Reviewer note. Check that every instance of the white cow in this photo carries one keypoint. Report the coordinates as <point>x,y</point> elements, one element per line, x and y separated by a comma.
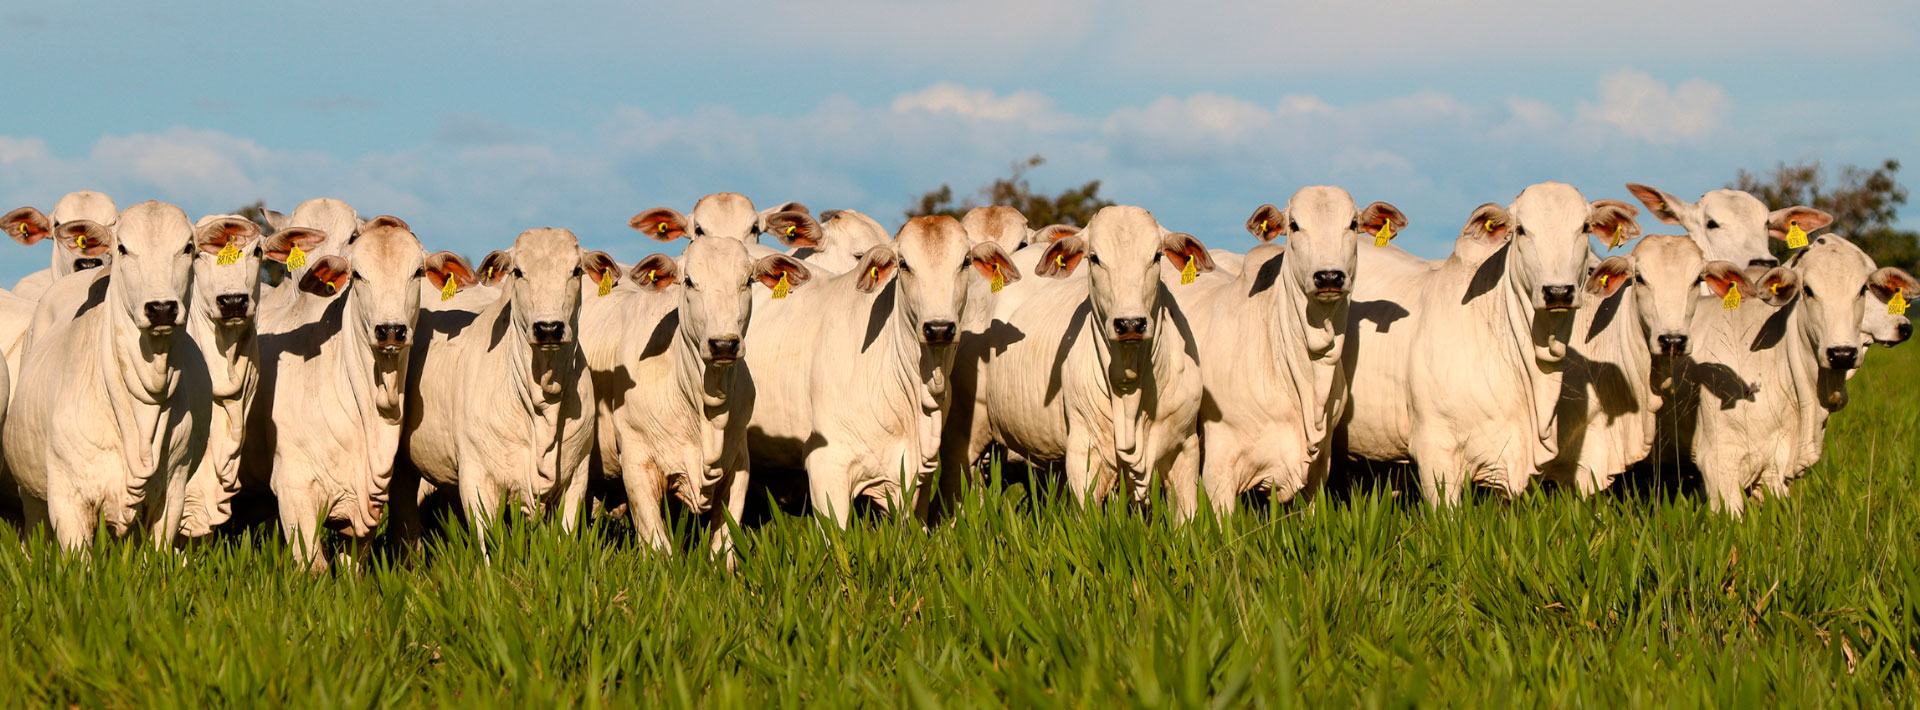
<point>1627,341</point>
<point>1456,366</point>
<point>1093,365</point>
<point>673,406</point>
<point>730,215</point>
<point>845,236</point>
<point>27,226</point>
<point>324,215</point>
<point>109,415</point>
<point>333,372</point>
<point>852,373</point>
<point>1729,225</point>
<point>499,401</point>
<point>1270,346</point>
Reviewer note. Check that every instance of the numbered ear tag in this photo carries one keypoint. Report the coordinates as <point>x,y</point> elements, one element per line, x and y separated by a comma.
<point>228,255</point>
<point>449,287</point>
<point>998,281</point>
<point>606,282</point>
<point>1604,278</point>
<point>1190,272</point>
<point>781,288</point>
<point>1617,237</point>
<point>1732,299</point>
<point>1897,306</point>
<point>295,257</point>
<point>1796,237</point>
<point>1386,233</point>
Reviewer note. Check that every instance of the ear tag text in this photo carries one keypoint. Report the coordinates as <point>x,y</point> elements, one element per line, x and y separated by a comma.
<point>1190,272</point>
<point>1897,306</point>
<point>295,257</point>
<point>1732,299</point>
<point>998,281</point>
<point>1381,237</point>
<point>1796,237</point>
<point>781,288</point>
<point>228,255</point>
<point>606,282</point>
<point>449,287</point>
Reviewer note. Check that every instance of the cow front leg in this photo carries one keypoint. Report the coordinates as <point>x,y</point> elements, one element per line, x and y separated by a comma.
<point>1183,480</point>
<point>725,517</point>
<point>300,523</point>
<point>646,492</point>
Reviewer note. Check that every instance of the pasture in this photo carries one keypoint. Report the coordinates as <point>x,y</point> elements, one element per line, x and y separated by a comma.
<point>1641,598</point>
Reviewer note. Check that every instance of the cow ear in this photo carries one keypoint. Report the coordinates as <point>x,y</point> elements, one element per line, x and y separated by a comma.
<point>662,223</point>
<point>385,221</point>
<point>599,265</point>
<point>1267,223</point>
<point>280,246</point>
<point>215,235</point>
<point>1185,250</point>
<point>1062,257</point>
<point>443,265</point>
<point>1380,214</point>
<point>1607,278</point>
<point>84,237</point>
<point>989,260</point>
<point>494,267</point>
<point>1777,286</point>
<point>1721,276</point>
<point>1490,223</point>
<point>876,268</point>
<point>275,221</point>
<point>655,273</point>
<point>26,225</point>
<point>325,276</point>
<point>770,269</point>
<point>1612,221</point>
<point>1890,280</point>
<point>1662,206</point>
<point>1052,232</point>
<point>793,228</point>
<point>1808,219</point>
<point>788,207</point>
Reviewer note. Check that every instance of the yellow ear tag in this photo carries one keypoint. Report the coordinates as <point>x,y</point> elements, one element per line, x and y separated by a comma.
<point>663,227</point>
<point>1263,227</point>
<point>873,272</point>
<point>606,282</point>
<point>1774,288</point>
<point>295,257</point>
<point>448,288</point>
<point>780,289</point>
<point>23,229</point>
<point>1732,299</point>
<point>1386,232</point>
<point>1060,260</point>
<point>1190,272</point>
<point>228,255</point>
<point>1604,278</point>
<point>998,282</point>
<point>80,241</point>
<point>1796,237</point>
<point>789,230</point>
<point>1489,226</point>
<point>1897,306</point>
<point>331,288</point>
<point>1617,236</point>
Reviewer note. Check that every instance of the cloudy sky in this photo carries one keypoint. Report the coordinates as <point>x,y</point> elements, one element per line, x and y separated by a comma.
<point>474,120</point>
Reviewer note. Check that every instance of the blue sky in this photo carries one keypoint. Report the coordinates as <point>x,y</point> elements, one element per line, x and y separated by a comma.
<point>476,120</point>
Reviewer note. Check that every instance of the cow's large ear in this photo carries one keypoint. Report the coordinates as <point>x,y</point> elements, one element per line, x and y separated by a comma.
<point>494,267</point>
<point>84,237</point>
<point>280,246</point>
<point>385,221</point>
<point>1662,206</point>
<point>793,228</point>
<point>989,260</point>
<point>662,223</point>
<point>787,207</point>
<point>26,225</point>
<point>1890,280</point>
<point>1381,214</point>
<point>1490,223</point>
<point>325,276</point>
<point>1607,278</point>
<point>771,268</point>
<point>1777,286</point>
<point>1052,232</point>
<point>214,236</point>
<point>1808,219</point>
<point>876,267</point>
<point>655,273</point>
<point>443,265</point>
<point>1062,256</point>
<point>599,265</point>
<point>1612,221</point>
<point>1719,276</point>
<point>1267,223</point>
<point>1186,251</point>
<point>276,221</point>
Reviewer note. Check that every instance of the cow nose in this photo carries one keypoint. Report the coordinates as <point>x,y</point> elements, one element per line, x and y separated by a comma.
<point>549,331</point>
<point>84,264</point>
<point>1329,279</point>
<point>727,348</point>
<point>1673,344</point>
<point>1902,332</point>
<point>1843,358</point>
<point>232,305</point>
<point>162,312</point>
<point>938,332</point>
<point>1557,296</point>
<point>390,334</point>
<point>1764,263</point>
<point>1130,328</point>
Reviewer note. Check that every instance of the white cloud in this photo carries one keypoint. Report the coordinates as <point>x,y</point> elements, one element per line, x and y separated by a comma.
<point>946,98</point>
<point>1643,107</point>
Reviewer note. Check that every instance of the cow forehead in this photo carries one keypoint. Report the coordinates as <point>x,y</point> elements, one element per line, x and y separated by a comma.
<point>1549,207</point>
<point>1668,257</point>
<point>85,204</point>
<point>995,222</point>
<point>725,213</point>
<point>326,214</point>
<point>1833,262</point>
<point>1123,229</point>
<point>387,250</point>
<point>925,238</point>
<point>150,225</point>
<point>1733,205</point>
<point>857,229</point>
<point>545,250</point>
<point>714,257</point>
<point>1321,203</point>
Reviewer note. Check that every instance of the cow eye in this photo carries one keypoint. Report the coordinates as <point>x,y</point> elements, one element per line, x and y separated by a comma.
<point>1711,224</point>
<point>517,274</point>
<point>1156,257</point>
<point>577,271</point>
<point>1293,226</point>
<point>122,248</point>
<point>1354,226</point>
<point>1093,259</point>
<point>1642,280</point>
<point>699,231</point>
<point>422,271</point>
<point>905,269</point>
<point>1520,231</point>
<point>1807,290</point>
<point>1863,289</point>
<point>256,251</point>
<point>1697,280</point>
<point>189,249</point>
<point>687,282</point>
<point>357,276</point>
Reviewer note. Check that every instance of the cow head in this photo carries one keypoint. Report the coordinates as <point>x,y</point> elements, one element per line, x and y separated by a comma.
<point>715,279</point>
<point>333,218</point>
<point>1879,321</point>
<point>82,248</point>
<point>1730,225</point>
<point>851,233</point>
<point>226,268</point>
<point>381,281</point>
<point>1122,247</point>
<point>928,263</point>
<point>1323,230</point>
<point>1665,273</point>
<point>153,265</point>
<point>1546,229</point>
<point>999,224</point>
<point>731,215</point>
<point>540,278</point>
<point>1835,283</point>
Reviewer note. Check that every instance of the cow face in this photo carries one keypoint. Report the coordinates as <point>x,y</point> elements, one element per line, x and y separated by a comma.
<point>715,279</point>
<point>153,265</point>
<point>1878,320</point>
<point>1665,273</point>
<point>381,280</point>
<point>84,248</point>
<point>731,215</point>
<point>333,218</point>
<point>999,224</point>
<point>1547,226</point>
<point>1122,247</point>
<point>1730,225</point>
<point>928,263</point>
<point>1834,287</point>
<point>541,276</point>
<point>1323,230</point>
<point>851,233</point>
<point>226,268</point>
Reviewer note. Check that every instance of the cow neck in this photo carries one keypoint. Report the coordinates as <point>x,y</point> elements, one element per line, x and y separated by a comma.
<point>1625,338</point>
<point>1536,345</point>
<point>539,381</point>
<point>712,386</point>
<point>229,350</point>
<point>141,365</point>
<point>1817,391</point>
<point>1295,325</point>
<point>377,385</point>
<point>921,371</point>
<point>1130,371</point>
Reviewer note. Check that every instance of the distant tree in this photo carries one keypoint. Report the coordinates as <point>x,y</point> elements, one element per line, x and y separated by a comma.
<point>1865,204</point>
<point>1073,206</point>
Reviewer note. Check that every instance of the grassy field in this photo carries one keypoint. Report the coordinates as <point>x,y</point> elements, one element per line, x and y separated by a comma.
<point>1627,600</point>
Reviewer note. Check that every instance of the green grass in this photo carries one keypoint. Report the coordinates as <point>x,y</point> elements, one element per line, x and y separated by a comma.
<point>1548,601</point>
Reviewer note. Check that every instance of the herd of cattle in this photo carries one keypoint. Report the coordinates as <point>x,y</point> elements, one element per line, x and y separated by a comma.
<point>163,366</point>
